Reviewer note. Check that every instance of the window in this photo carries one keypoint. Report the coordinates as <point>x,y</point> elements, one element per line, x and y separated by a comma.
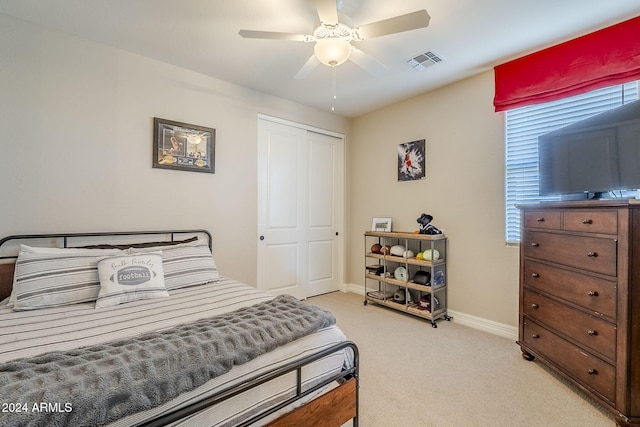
<point>523,126</point>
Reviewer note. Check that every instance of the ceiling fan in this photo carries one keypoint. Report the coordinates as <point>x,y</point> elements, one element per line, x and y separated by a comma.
<point>335,33</point>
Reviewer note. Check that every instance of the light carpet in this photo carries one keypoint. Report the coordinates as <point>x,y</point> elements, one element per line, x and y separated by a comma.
<point>414,375</point>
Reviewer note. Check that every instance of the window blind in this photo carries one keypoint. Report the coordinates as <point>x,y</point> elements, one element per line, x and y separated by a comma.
<point>523,126</point>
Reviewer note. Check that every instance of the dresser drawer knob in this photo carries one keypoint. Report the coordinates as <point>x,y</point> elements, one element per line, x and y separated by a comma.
<point>592,372</point>
<point>534,305</point>
<point>592,333</point>
<point>536,275</point>
<point>535,244</point>
<point>540,219</point>
<point>592,293</point>
<point>587,221</point>
<point>535,336</point>
<point>592,254</point>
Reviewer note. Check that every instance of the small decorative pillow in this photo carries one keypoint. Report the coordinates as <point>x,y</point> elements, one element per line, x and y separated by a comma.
<point>130,277</point>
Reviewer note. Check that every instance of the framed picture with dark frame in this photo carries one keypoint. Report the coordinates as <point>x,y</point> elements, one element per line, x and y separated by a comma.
<point>412,161</point>
<point>183,146</point>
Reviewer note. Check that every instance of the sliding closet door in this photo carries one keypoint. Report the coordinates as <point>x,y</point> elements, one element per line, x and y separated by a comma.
<point>300,210</point>
<point>324,225</point>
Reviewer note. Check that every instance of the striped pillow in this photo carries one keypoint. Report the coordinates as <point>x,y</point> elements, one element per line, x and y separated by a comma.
<point>186,264</point>
<point>55,278</point>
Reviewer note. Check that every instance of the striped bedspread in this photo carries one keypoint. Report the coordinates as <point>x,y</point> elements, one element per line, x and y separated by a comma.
<point>25,334</point>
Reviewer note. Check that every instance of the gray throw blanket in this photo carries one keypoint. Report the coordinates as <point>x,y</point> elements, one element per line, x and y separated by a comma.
<point>99,384</point>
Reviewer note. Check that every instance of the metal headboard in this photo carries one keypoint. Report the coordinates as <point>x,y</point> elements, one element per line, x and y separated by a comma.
<point>67,236</point>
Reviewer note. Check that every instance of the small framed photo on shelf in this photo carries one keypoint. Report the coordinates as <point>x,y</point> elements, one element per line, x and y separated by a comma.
<point>381,224</point>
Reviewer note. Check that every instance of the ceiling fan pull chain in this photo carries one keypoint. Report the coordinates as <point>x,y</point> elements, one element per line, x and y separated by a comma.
<point>333,88</point>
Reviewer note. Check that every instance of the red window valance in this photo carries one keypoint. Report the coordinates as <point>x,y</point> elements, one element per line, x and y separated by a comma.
<point>603,58</point>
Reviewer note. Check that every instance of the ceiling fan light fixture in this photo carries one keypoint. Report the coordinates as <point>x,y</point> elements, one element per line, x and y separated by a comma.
<point>332,51</point>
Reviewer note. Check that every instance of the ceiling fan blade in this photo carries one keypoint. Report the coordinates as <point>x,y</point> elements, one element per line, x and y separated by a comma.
<point>249,34</point>
<point>327,11</point>
<point>398,24</point>
<point>368,63</point>
<point>307,68</point>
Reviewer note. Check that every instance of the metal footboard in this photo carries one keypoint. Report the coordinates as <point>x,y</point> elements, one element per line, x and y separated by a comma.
<point>258,380</point>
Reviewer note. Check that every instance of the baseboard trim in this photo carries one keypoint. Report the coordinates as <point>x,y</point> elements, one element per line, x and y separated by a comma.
<point>350,287</point>
<point>485,325</point>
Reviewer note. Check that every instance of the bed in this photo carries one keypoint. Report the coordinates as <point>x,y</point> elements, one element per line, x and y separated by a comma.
<point>140,329</point>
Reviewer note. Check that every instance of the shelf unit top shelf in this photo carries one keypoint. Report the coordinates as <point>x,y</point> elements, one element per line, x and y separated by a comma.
<point>405,235</point>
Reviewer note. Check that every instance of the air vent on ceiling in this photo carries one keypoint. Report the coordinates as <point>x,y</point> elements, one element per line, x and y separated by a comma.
<point>424,60</point>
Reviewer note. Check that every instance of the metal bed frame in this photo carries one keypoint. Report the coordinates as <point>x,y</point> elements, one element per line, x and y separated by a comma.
<point>348,375</point>
<point>66,236</point>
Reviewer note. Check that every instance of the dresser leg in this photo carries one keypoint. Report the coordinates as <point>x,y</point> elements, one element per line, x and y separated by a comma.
<point>527,356</point>
<point>625,421</point>
<point>622,421</point>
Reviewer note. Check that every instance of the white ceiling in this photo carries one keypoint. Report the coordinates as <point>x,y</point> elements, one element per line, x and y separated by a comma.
<point>202,35</point>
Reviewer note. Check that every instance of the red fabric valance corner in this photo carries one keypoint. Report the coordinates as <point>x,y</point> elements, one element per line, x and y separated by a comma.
<point>603,58</point>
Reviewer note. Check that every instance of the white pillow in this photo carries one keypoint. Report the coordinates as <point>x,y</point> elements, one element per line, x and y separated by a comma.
<point>130,277</point>
<point>51,277</point>
<point>186,264</point>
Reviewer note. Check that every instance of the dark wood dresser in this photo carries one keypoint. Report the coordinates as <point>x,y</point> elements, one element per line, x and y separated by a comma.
<point>580,297</point>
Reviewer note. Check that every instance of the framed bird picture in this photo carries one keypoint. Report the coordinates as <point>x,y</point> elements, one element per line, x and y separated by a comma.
<point>412,161</point>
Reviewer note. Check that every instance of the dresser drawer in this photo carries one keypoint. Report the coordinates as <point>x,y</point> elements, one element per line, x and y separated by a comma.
<point>550,220</point>
<point>582,366</point>
<point>591,221</point>
<point>592,332</point>
<point>592,293</point>
<point>587,253</point>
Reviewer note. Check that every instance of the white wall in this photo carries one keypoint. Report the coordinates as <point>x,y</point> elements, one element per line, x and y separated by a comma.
<point>463,190</point>
<point>76,136</point>
<point>76,125</point>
